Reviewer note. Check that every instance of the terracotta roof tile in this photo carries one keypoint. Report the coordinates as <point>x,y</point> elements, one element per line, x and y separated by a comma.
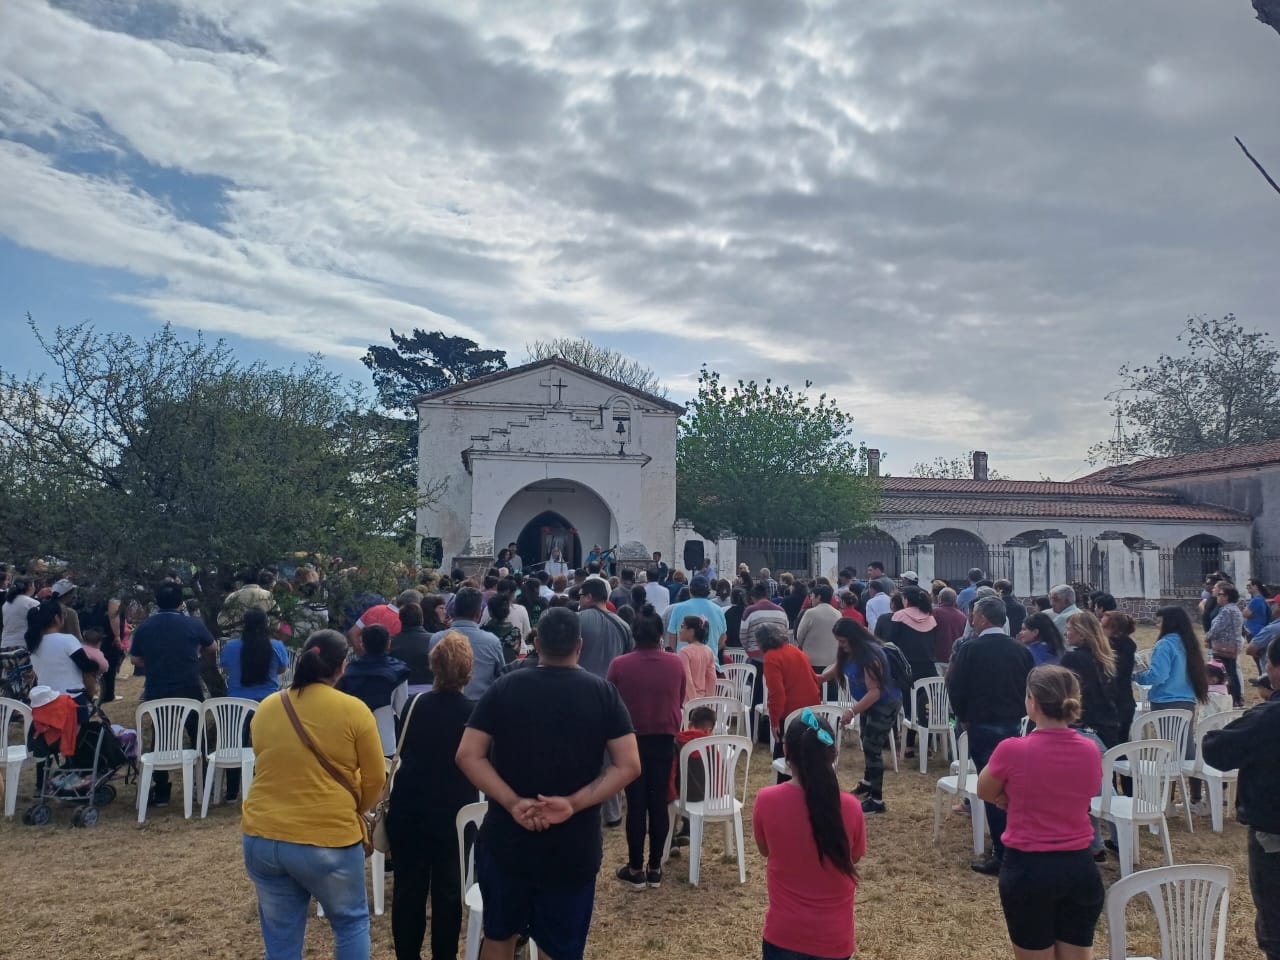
<point>1015,487</point>
<point>1206,461</point>
<point>1099,508</point>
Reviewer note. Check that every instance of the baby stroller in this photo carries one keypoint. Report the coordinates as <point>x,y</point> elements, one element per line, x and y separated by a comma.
<point>84,778</point>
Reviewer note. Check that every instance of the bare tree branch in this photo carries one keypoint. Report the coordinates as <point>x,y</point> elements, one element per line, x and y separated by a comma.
<point>1261,169</point>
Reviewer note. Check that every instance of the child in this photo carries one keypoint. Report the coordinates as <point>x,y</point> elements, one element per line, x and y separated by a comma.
<point>702,723</point>
<point>1217,677</point>
<point>699,661</point>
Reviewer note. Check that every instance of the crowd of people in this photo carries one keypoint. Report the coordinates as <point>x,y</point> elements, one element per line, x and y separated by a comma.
<point>559,695</point>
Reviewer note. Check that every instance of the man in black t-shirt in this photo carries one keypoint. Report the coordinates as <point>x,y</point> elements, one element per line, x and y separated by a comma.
<point>533,745</point>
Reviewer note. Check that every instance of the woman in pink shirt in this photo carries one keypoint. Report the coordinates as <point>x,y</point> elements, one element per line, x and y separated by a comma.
<point>699,661</point>
<point>1050,887</point>
<point>813,836</point>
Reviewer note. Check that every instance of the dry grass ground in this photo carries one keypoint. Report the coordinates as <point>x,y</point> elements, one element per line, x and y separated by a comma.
<point>174,888</point>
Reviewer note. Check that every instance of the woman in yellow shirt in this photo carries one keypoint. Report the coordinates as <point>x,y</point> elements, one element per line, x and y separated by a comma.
<point>303,836</point>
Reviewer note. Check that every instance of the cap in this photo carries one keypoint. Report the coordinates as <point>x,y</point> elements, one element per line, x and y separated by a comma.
<point>63,587</point>
<point>909,575</point>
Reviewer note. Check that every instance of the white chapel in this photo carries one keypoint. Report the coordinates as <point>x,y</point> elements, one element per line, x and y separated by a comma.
<point>545,455</point>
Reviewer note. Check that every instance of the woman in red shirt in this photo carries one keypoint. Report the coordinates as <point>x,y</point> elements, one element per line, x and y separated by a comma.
<point>812,836</point>
<point>1050,887</point>
<point>789,678</point>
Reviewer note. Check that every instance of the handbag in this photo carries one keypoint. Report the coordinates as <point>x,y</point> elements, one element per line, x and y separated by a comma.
<point>378,817</point>
<point>365,825</point>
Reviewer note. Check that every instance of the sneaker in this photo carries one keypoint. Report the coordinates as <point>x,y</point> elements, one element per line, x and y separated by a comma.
<point>1200,808</point>
<point>654,878</point>
<point>681,840</point>
<point>863,789</point>
<point>613,824</point>
<point>635,879</point>
<point>872,805</point>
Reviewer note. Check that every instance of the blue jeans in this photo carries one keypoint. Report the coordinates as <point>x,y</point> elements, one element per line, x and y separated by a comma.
<point>288,875</point>
<point>983,738</point>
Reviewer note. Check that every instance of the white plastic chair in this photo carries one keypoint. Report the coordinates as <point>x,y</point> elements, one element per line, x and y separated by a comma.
<point>729,711</point>
<point>286,677</point>
<point>743,676</point>
<point>1218,703</point>
<point>1023,726</point>
<point>937,724</point>
<point>726,688</point>
<point>1187,899</point>
<point>963,787</point>
<point>1141,696</point>
<point>472,815</point>
<point>14,755</point>
<point>1172,725</point>
<point>721,801</point>
<point>168,720</point>
<point>831,713</point>
<point>736,655</point>
<point>1213,778</point>
<point>1151,765</point>
<point>229,717</point>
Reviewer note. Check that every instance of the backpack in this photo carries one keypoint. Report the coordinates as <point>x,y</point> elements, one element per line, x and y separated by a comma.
<point>899,668</point>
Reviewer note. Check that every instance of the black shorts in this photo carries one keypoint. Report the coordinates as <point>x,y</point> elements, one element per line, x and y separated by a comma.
<point>1049,897</point>
<point>557,920</point>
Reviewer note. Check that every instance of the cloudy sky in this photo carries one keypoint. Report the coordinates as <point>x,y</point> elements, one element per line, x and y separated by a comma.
<point>957,218</point>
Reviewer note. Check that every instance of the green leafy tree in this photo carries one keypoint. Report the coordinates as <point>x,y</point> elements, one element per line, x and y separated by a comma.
<point>764,460</point>
<point>1221,388</point>
<point>137,456</point>
<point>426,361</point>
<point>598,359</point>
<point>957,468</point>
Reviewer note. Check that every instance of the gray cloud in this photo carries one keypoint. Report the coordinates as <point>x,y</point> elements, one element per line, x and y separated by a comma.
<point>958,219</point>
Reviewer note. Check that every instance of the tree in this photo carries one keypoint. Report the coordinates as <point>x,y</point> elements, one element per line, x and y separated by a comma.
<point>426,361</point>
<point>140,455</point>
<point>1223,388</point>
<point>957,468</point>
<point>763,460</point>
<point>598,359</point>
<point>1268,12</point>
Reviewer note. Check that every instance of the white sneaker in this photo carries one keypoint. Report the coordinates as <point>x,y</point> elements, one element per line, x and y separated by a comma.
<point>1200,808</point>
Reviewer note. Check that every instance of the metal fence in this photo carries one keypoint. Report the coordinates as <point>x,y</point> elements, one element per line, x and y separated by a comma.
<point>1266,567</point>
<point>1182,570</point>
<point>1084,564</point>
<point>860,551</point>
<point>779,554</point>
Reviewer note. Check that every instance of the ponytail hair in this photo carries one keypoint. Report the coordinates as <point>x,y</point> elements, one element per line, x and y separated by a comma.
<point>322,658</point>
<point>811,760</point>
<point>39,620</point>
<point>16,589</point>
<point>697,625</point>
<point>647,629</point>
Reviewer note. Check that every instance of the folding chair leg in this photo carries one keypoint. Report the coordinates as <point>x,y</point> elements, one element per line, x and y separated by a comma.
<point>12,772</point>
<point>208,790</point>
<point>978,816</point>
<point>475,928</point>
<point>695,850</point>
<point>742,855</point>
<point>1186,807</point>
<point>379,867</point>
<point>246,779</point>
<point>144,788</point>
<point>1126,841</point>
<point>1168,848</point>
<point>672,819</point>
<point>188,788</point>
<point>893,749</point>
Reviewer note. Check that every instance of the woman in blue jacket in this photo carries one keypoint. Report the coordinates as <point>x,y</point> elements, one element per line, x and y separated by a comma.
<point>1177,675</point>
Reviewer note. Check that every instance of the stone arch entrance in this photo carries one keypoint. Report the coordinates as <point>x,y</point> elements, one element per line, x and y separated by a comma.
<point>555,512</point>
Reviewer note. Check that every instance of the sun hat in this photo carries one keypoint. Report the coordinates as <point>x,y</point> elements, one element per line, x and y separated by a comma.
<point>42,696</point>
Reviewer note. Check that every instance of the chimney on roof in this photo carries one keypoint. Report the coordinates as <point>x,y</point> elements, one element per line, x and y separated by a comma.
<point>979,465</point>
<point>873,462</point>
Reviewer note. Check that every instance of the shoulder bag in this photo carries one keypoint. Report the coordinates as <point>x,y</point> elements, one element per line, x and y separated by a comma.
<point>366,825</point>
<point>378,818</point>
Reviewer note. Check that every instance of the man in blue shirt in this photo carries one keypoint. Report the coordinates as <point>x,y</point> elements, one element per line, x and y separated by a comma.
<point>169,645</point>
<point>965,597</point>
<point>699,605</point>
